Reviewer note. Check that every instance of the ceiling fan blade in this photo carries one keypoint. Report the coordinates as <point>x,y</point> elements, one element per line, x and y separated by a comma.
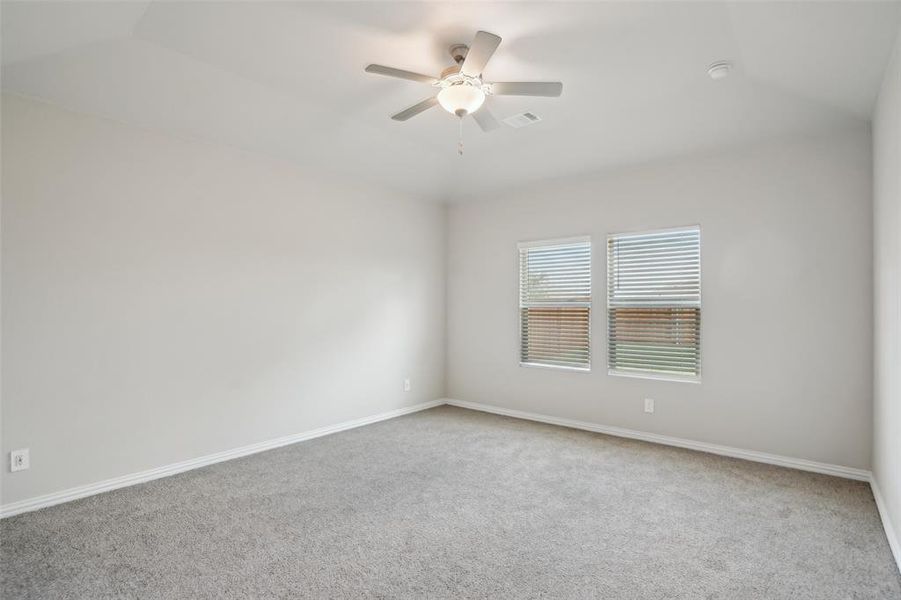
<point>400,73</point>
<point>485,119</point>
<point>416,109</point>
<point>483,46</point>
<point>530,88</point>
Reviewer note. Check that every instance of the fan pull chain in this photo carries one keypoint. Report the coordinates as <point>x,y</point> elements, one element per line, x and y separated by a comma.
<point>460,145</point>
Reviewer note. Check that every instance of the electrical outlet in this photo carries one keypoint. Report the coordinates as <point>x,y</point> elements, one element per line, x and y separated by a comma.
<point>648,405</point>
<point>18,460</point>
<point>406,385</point>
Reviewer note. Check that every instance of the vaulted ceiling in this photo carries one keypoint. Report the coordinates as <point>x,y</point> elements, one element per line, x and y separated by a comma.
<point>286,78</point>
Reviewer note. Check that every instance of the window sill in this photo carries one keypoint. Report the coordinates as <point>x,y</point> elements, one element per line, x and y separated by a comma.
<point>655,376</point>
<point>556,367</point>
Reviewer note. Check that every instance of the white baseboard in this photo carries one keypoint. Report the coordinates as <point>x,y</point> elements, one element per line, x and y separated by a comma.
<point>27,505</point>
<point>893,541</point>
<point>752,455</point>
<point>30,504</point>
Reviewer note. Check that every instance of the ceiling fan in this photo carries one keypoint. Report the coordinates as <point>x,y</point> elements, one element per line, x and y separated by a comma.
<point>461,90</point>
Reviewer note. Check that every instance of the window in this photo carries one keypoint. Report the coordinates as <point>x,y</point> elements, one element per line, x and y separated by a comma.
<point>654,303</point>
<point>555,303</point>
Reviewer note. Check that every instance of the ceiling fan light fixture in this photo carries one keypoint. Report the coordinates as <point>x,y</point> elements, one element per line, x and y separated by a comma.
<point>461,100</point>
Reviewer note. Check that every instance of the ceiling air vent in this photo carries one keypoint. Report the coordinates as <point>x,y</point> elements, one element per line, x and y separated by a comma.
<point>522,120</point>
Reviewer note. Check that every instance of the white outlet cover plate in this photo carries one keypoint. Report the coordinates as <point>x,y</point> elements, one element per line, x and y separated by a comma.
<point>648,405</point>
<point>19,460</point>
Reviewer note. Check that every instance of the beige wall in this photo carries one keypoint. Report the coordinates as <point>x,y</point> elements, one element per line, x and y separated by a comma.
<point>887,268</point>
<point>787,289</point>
<point>166,299</point>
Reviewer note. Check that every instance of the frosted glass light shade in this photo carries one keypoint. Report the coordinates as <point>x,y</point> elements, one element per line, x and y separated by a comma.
<point>461,99</point>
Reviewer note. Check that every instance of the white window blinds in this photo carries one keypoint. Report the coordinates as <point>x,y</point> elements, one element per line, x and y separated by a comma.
<point>654,302</point>
<point>555,303</point>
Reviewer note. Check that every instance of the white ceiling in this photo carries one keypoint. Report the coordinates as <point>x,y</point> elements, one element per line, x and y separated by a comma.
<point>286,78</point>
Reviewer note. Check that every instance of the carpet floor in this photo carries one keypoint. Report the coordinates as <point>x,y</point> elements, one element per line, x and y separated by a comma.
<point>451,503</point>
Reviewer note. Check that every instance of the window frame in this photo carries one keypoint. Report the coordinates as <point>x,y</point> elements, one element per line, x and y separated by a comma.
<point>539,243</point>
<point>637,374</point>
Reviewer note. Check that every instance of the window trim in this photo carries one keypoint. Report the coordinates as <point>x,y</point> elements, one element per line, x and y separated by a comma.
<point>670,377</point>
<point>545,243</point>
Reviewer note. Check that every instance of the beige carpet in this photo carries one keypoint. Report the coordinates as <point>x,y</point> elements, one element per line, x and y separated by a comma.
<point>450,503</point>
